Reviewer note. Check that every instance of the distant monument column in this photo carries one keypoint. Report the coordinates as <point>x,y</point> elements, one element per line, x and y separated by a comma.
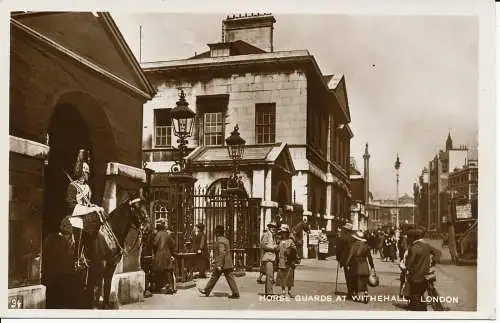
<point>366,173</point>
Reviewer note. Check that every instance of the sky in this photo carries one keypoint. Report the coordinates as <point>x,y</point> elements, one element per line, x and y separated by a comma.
<point>410,79</point>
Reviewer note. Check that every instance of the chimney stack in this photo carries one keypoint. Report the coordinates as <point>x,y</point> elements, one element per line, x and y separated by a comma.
<point>255,29</point>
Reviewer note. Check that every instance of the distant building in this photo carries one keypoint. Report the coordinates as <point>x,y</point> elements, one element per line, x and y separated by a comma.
<point>360,192</point>
<point>434,184</point>
<point>463,182</point>
<point>358,215</point>
<point>385,212</point>
<point>421,196</point>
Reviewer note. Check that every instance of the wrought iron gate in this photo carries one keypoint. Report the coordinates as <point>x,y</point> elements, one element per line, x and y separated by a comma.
<point>240,216</point>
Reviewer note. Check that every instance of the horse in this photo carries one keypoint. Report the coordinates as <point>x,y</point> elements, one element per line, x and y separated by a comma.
<point>107,249</point>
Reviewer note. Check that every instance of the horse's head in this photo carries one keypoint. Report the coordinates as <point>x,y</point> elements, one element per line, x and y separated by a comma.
<point>138,211</point>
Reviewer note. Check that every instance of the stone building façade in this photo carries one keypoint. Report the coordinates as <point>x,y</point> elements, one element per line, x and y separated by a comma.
<point>295,121</point>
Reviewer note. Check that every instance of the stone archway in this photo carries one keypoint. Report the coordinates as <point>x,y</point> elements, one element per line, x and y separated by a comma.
<point>77,122</point>
<point>282,194</point>
<point>220,185</point>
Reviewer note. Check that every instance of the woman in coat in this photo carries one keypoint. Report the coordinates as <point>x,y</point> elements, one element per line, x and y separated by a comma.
<point>357,261</point>
<point>286,261</point>
<point>163,259</point>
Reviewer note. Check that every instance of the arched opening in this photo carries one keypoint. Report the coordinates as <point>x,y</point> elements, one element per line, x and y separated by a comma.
<point>77,122</point>
<point>68,132</point>
<point>219,186</point>
<point>282,194</point>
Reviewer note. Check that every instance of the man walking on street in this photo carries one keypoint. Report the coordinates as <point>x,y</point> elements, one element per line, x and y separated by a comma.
<point>269,248</point>
<point>343,247</point>
<point>223,264</point>
<point>418,265</point>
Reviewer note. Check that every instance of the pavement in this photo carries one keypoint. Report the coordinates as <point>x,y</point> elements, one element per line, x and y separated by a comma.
<point>315,290</point>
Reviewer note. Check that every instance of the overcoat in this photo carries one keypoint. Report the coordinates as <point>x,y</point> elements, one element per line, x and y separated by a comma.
<point>268,246</point>
<point>418,261</point>
<point>222,254</point>
<point>358,259</point>
<point>200,243</point>
<point>163,248</point>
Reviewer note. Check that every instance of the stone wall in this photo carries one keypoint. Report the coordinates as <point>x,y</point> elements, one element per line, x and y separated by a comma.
<point>287,90</point>
<point>39,77</point>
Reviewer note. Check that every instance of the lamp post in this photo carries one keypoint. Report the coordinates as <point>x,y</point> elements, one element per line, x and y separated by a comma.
<point>181,184</point>
<point>397,165</point>
<point>236,148</point>
<point>183,119</point>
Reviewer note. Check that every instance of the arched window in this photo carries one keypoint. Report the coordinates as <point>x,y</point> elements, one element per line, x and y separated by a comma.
<point>160,210</point>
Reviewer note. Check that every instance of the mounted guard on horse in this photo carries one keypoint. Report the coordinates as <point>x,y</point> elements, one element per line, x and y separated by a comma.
<point>90,256</point>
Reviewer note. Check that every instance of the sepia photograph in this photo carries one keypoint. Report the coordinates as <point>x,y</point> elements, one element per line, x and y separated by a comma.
<point>257,159</point>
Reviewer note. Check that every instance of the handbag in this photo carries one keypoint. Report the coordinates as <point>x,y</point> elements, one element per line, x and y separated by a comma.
<point>373,279</point>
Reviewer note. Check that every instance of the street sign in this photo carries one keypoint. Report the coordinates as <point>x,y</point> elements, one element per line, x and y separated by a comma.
<point>323,247</point>
<point>314,237</point>
<point>463,212</point>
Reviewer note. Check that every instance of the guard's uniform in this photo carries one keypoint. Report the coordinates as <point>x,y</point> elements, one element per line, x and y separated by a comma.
<point>86,223</point>
<point>78,203</point>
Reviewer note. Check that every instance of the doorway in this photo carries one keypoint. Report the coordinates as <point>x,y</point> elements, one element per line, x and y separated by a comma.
<point>68,133</point>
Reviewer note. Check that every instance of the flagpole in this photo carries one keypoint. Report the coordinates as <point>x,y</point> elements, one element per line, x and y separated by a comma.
<point>140,43</point>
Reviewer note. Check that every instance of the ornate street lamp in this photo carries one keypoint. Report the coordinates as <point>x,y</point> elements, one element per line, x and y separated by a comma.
<point>182,183</point>
<point>235,189</point>
<point>397,165</point>
<point>183,119</point>
<point>235,148</point>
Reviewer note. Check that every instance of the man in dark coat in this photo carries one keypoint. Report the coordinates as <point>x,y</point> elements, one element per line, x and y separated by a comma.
<point>147,260</point>
<point>223,264</point>
<point>201,248</point>
<point>418,263</point>
<point>163,262</point>
<point>342,249</point>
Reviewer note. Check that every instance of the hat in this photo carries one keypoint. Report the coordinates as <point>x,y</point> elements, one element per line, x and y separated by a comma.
<point>415,233</point>
<point>347,226</point>
<point>284,228</point>
<point>271,224</point>
<point>359,235</point>
<point>219,229</point>
<point>200,226</point>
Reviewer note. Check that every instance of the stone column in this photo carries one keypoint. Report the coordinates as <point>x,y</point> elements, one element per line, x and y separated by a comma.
<point>26,190</point>
<point>299,186</point>
<point>329,211</point>
<point>258,183</point>
<point>305,251</point>
<point>268,204</point>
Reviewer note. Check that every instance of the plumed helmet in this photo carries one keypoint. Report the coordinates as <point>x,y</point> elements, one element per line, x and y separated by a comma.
<point>81,159</point>
<point>373,280</point>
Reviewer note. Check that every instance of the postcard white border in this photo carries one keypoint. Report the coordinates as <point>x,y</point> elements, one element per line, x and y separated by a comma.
<point>484,9</point>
